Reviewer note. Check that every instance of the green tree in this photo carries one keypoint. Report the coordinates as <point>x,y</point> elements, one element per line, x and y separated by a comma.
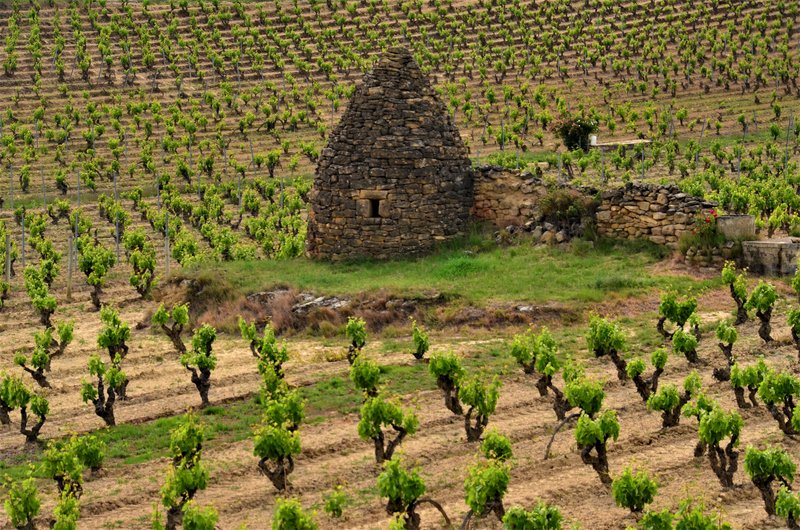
<point>377,413</point>
<point>787,505</point>
<point>201,361</point>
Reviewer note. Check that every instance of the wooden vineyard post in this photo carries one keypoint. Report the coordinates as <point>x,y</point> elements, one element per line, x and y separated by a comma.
<point>166,240</point>
<point>70,243</point>
<point>8,259</point>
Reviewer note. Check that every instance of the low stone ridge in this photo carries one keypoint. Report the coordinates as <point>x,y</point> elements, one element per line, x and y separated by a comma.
<point>395,178</point>
<point>660,214</point>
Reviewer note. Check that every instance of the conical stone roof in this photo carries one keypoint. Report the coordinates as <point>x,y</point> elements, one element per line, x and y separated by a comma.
<point>395,177</point>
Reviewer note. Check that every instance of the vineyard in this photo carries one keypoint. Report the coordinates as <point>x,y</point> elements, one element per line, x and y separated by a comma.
<point>148,149</point>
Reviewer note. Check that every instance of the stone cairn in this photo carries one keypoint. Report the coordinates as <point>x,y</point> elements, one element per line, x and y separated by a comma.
<point>395,178</point>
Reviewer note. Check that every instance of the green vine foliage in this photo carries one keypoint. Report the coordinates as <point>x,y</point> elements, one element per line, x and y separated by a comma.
<point>377,414</point>
<point>485,487</point>
<point>633,491</point>
<point>289,515</point>
<point>141,256</point>
<point>542,517</point>
<point>366,376</point>
<point>22,503</point>
<point>400,485</point>
<point>265,348</point>
<point>495,446</point>
<point>420,339</point>
<point>95,261</point>
<point>188,474</point>
<point>674,311</point>
<point>589,432</point>
<point>604,337</point>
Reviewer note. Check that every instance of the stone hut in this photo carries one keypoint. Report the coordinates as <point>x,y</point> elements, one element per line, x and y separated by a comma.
<point>395,178</point>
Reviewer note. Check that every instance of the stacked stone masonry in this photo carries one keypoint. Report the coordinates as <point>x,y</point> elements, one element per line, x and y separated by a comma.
<point>660,214</point>
<point>395,178</point>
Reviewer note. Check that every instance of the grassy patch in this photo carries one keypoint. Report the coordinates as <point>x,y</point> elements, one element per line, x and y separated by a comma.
<point>472,271</point>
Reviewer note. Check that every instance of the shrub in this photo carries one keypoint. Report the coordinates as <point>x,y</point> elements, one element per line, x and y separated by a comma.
<point>670,403</point>
<point>633,491</point>
<point>41,299</point>
<point>172,324</point>
<point>537,353</point>
<point>94,261</point>
<point>67,512</point>
<point>142,258</point>
<point>114,334</point>
<point>481,398</point>
<point>109,382</point>
<point>196,518</point>
<point>593,435</point>
<point>787,505</point>
<point>778,391</point>
<point>335,502</point>
<point>377,413</point>
<point>356,332</point>
<point>762,300</point>
<point>749,377</point>
<point>495,446</point>
<point>420,338</point>
<point>201,361</point>
<point>90,450</point>
<point>265,348</point>
<point>793,319</point>
<point>447,369</point>
<point>22,504</point>
<point>485,486</point>
<point>574,131</point>
<point>716,426</point>
<point>39,407</point>
<point>727,336</point>
<point>61,463</point>
<point>647,386</point>
<point>685,344</point>
<point>276,446</point>
<point>366,375</point>
<point>402,487</point>
<point>764,468</point>
<point>188,474</point>
<point>606,338</point>
<point>669,309</point>
<point>289,515</point>
<point>542,517</point>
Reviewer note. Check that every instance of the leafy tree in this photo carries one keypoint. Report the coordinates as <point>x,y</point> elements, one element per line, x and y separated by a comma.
<point>749,377</point>
<point>762,299</point>
<point>715,427</point>
<point>647,386</point>
<point>366,375</point>
<point>537,353</point>
<point>404,489</point>
<point>172,324</point>
<point>633,490</point>
<point>289,515</point>
<point>485,486</point>
<point>447,369</point>
<point>778,391</point>
<point>377,413</point>
<point>94,261</point>
<point>265,348</point>
<point>593,435</point>
<point>738,287</point>
<point>670,309</point>
<point>201,361</point>
<point>727,335</point>
<point>420,338</point>
<point>670,403</point>
<point>542,517</point>
<point>686,344</point>
<point>188,474</point>
<point>141,256</point>
<point>606,338</point>
<point>41,299</point>
<point>767,466</point>
<point>109,382</point>
<point>356,332</point>
<point>495,446</point>
<point>481,398</point>
<point>22,504</point>
<point>275,446</point>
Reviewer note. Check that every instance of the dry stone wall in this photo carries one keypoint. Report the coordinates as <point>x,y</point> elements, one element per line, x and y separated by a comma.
<point>660,214</point>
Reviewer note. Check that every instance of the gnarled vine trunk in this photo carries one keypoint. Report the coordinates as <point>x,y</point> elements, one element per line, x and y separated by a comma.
<point>599,462</point>
<point>450,390</point>
<point>277,473</point>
